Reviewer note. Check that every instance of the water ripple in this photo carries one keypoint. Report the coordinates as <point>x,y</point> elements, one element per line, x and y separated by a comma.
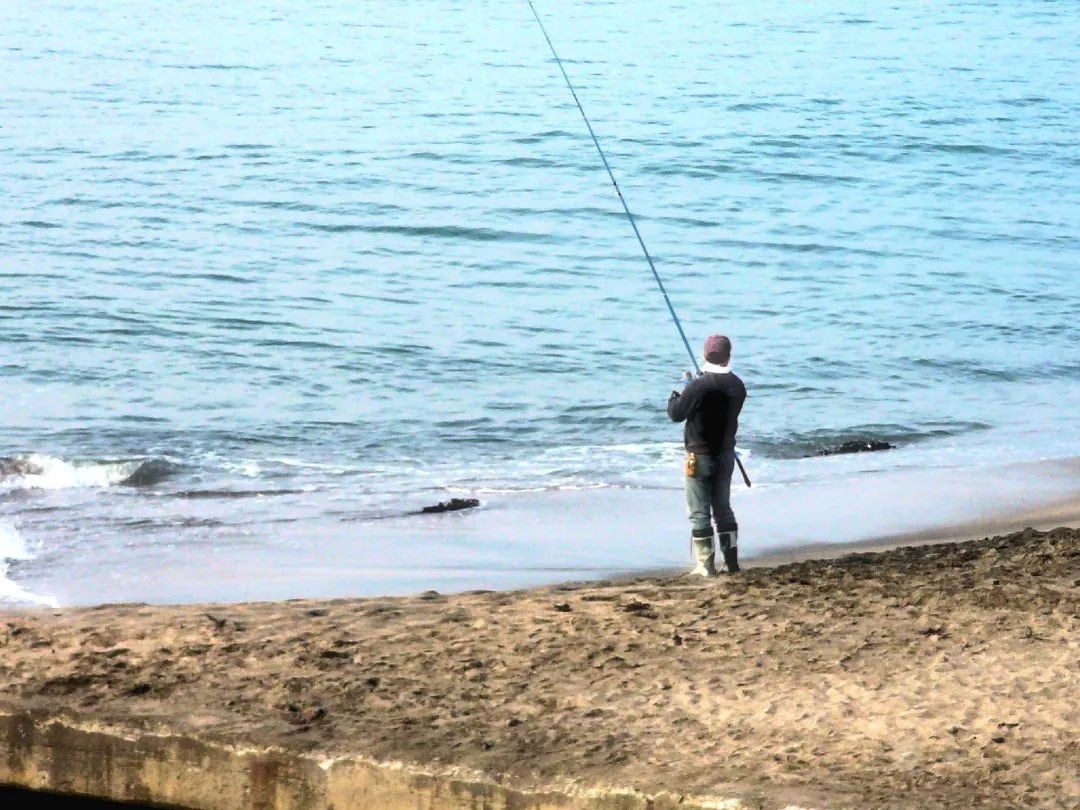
<point>384,233</point>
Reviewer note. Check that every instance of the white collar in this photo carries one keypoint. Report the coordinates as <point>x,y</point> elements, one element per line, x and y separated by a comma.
<point>713,368</point>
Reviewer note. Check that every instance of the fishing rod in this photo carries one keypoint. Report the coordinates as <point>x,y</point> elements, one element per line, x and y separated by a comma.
<point>614,182</point>
<point>626,208</point>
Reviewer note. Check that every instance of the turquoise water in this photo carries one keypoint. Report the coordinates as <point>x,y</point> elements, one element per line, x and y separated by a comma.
<point>361,257</point>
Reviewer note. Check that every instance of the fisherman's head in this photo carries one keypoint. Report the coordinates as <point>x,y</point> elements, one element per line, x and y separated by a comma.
<point>717,350</point>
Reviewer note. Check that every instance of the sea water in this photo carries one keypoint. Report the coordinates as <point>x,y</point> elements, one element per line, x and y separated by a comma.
<point>324,264</point>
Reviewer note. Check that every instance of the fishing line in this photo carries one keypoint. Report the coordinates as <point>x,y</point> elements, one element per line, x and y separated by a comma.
<point>614,182</point>
<point>626,208</point>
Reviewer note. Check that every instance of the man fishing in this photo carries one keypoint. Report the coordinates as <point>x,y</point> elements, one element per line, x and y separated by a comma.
<point>710,405</point>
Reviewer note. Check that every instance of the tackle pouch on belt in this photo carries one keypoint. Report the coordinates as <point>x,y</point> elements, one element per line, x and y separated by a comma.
<point>691,465</point>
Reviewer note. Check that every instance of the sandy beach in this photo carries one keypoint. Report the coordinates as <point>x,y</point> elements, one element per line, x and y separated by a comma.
<point>941,675</point>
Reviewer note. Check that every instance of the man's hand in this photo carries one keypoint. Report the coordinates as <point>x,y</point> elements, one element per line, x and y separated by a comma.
<point>673,406</point>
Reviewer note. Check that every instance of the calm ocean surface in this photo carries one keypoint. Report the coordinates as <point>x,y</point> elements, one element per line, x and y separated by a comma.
<point>330,262</point>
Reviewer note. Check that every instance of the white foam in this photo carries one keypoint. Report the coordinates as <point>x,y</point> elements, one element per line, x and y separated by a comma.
<point>337,469</point>
<point>244,467</point>
<point>55,473</point>
<point>527,489</point>
<point>12,547</point>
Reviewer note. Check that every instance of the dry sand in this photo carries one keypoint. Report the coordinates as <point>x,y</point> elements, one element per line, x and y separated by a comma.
<point>922,677</point>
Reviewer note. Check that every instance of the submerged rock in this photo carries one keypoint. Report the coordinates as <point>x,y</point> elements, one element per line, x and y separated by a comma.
<point>859,446</point>
<point>149,473</point>
<point>19,466</point>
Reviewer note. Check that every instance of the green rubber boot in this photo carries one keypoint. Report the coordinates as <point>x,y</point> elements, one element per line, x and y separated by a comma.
<point>704,553</point>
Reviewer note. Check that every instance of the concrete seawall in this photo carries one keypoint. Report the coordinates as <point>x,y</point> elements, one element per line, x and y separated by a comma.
<point>46,753</point>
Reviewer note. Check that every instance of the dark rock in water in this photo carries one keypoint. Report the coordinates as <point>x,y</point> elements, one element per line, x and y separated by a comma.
<point>452,505</point>
<point>871,446</point>
<point>18,466</point>
<point>149,473</point>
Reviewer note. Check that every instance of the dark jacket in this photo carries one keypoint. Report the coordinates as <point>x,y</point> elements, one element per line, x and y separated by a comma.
<point>710,405</point>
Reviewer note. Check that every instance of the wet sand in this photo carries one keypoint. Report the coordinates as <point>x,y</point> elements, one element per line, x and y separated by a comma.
<point>553,536</point>
<point>933,676</point>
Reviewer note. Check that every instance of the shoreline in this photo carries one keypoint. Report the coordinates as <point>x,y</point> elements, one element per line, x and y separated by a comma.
<point>1062,512</point>
<point>543,538</point>
<point>926,676</point>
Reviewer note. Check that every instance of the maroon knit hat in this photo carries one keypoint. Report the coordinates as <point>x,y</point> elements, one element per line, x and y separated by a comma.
<point>718,349</point>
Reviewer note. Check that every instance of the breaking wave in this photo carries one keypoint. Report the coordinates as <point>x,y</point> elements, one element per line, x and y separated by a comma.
<point>37,471</point>
<point>13,548</point>
<point>828,442</point>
